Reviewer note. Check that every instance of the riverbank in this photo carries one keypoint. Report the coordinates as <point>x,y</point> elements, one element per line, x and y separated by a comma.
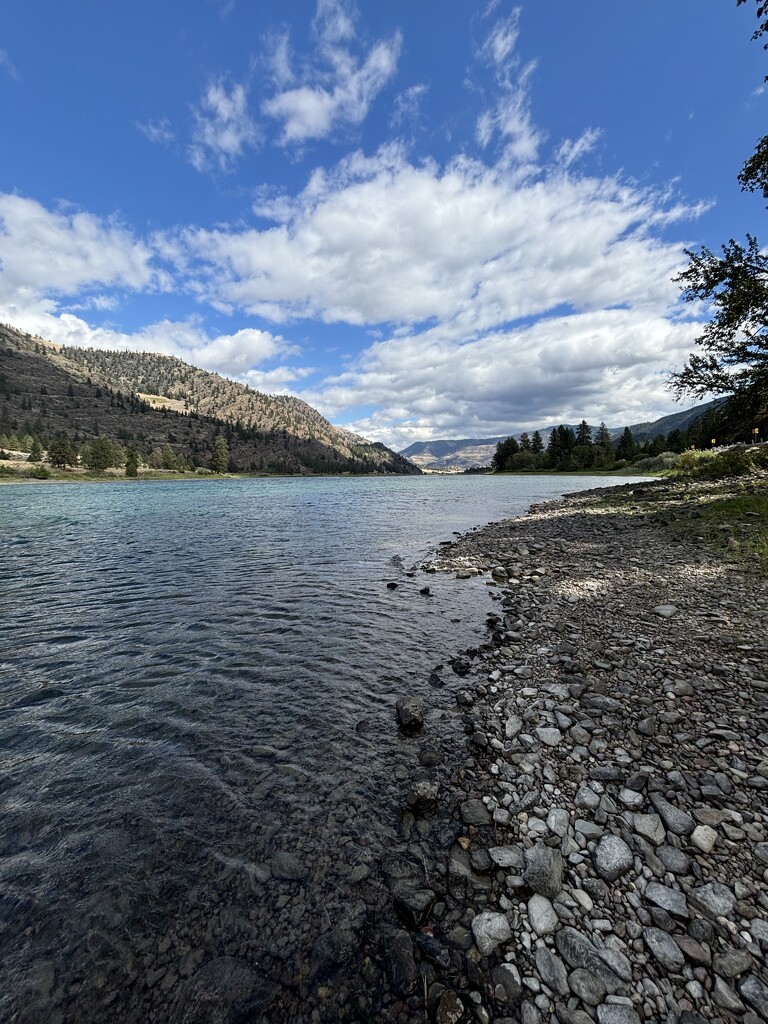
<point>594,847</point>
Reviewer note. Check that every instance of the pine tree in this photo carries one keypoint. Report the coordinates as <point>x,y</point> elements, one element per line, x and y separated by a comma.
<point>35,451</point>
<point>626,448</point>
<point>505,450</point>
<point>603,437</point>
<point>602,448</point>
<point>132,459</point>
<point>220,455</point>
<point>537,445</point>
<point>584,433</point>
<point>98,454</point>
<point>61,452</point>
<point>169,460</point>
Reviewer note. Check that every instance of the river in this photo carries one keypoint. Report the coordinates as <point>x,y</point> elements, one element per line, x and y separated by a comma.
<point>197,687</point>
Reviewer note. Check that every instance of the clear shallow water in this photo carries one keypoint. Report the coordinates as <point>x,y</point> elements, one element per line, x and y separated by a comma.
<point>195,677</point>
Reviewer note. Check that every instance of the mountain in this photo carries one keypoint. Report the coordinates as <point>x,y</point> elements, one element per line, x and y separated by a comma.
<point>675,421</point>
<point>454,456</point>
<point>152,401</point>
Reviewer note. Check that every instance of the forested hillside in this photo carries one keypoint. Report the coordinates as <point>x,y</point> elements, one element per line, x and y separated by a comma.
<point>168,381</point>
<point>169,413</point>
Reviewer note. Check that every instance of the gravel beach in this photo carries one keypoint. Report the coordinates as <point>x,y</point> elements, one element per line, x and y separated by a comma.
<point>609,860</point>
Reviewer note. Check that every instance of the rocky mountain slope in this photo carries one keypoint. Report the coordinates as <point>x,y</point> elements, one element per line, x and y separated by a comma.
<point>150,401</point>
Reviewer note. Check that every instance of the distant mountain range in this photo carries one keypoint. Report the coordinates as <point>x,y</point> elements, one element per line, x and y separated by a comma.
<point>151,401</point>
<point>468,453</point>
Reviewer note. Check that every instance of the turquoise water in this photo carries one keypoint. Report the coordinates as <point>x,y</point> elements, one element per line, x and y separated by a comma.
<point>194,677</point>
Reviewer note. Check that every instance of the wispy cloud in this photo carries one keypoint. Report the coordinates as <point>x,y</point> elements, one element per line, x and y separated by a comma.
<point>101,303</point>
<point>7,64</point>
<point>337,88</point>
<point>223,127</point>
<point>571,150</point>
<point>159,131</point>
<point>509,117</point>
<point>407,107</point>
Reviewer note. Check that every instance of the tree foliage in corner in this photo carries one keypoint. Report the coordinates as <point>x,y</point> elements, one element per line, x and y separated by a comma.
<point>735,285</point>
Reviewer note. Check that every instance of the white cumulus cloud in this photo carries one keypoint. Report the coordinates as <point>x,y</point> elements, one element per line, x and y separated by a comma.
<point>61,252</point>
<point>603,365</point>
<point>384,240</point>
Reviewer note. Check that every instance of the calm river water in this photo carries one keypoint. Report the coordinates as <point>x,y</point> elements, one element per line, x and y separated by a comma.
<point>195,679</point>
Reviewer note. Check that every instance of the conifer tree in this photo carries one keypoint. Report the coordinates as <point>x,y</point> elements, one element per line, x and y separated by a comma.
<point>584,433</point>
<point>132,459</point>
<point>220,455</point>
<point>61,452</point>
<point>603,436</point>
<point>626,448</point>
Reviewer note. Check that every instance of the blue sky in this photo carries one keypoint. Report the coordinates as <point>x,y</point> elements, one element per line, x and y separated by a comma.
<point>426,219</point>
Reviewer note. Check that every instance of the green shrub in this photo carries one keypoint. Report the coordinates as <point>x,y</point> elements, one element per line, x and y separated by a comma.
<point>657,463</point>
<point>40,473</point>
<point>691,460</point>
<point>737,461</point>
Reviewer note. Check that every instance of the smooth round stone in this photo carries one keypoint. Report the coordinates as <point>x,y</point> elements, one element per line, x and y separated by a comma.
<point>612,857</point>
<point>665,611</point>
<point>583,899</point>
<point>542,916</point>
<point>537,827</point>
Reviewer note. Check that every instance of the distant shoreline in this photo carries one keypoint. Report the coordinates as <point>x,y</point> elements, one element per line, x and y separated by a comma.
<point>163,476</point>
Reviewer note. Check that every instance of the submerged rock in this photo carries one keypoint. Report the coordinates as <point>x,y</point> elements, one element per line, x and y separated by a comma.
<point>410,714</point>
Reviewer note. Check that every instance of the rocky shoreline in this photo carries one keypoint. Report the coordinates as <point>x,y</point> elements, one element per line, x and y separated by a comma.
<point>598,850</point>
